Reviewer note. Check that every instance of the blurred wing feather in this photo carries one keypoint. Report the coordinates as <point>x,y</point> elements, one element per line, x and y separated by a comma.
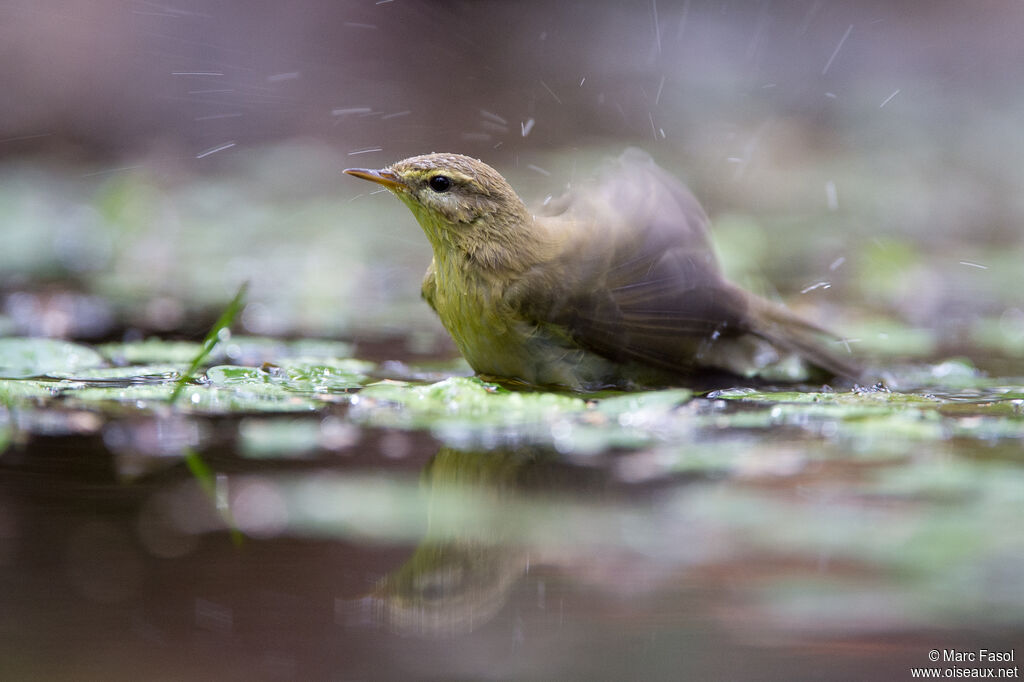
<point>637,279</point>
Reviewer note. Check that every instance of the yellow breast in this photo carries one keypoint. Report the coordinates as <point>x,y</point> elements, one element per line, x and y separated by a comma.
<point>470,307</point>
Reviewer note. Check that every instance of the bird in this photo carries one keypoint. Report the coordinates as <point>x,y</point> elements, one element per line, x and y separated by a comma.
<point>612,285</point>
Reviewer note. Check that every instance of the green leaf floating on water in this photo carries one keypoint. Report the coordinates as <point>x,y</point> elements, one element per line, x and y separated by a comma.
<point>289,387</point>
<point>467,411</point>
<point>22,358</point>
<point>299,375</point>
<point>852,398</point>
<point>16,390</point>
<point>397,403</point>
<point>233,375</point>
<point>645,401</point>
<point>254,397</point>
<point>140,374</point>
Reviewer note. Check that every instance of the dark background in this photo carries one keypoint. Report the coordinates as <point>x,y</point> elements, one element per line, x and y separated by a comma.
<point>108,77</point>
<point>165,151</point>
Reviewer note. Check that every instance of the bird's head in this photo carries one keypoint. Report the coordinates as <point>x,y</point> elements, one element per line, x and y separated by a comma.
<point>459,201</point>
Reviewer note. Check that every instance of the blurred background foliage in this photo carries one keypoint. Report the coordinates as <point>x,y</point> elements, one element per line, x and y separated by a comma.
<point>859,158</point>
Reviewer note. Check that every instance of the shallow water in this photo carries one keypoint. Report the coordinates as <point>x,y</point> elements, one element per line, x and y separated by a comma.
<point>321,517</point>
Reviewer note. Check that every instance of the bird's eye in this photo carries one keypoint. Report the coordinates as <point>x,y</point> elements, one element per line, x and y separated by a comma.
<point>440,183</point>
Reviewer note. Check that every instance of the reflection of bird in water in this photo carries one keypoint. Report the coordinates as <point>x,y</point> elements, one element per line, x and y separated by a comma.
<point>614,284</point>
<point>460,576</point>
<point>448,588</point>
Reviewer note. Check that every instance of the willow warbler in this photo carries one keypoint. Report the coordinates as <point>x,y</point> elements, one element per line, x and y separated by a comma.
<point>614,284</point>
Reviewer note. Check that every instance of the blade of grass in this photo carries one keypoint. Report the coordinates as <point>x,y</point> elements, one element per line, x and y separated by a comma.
<point>6,436</point>
<point>223,322</point>
<point>7,423</point>
<point>208,483</point>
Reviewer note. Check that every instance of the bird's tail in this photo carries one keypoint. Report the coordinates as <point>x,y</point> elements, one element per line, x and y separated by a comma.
<point>792,333</point>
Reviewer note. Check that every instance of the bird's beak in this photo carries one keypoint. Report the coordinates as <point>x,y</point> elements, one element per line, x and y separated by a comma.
<point>385,177</point>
